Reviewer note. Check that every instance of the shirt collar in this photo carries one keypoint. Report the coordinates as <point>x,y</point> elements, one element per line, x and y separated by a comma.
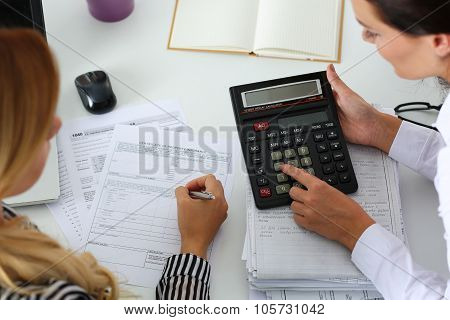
<point>443,121</point>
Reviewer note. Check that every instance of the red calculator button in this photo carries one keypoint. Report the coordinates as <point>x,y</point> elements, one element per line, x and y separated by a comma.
<point>265,193</point>
<point>261,126</point>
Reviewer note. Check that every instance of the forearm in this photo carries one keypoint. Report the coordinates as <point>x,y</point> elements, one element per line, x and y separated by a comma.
<point>185,277</point>
<point>386,261</point>
<point>385,130</point>
<point>417,148</point>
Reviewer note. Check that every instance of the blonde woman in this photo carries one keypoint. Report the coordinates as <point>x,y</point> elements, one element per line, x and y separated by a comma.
<point>34,266</point>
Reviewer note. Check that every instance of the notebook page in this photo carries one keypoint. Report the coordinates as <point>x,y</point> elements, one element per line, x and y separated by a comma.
<point>285,251</point>
<point>305,28</point>
<point>215,25</point>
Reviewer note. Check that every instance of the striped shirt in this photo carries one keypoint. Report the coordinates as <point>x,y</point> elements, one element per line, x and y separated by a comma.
<point>185,276</point>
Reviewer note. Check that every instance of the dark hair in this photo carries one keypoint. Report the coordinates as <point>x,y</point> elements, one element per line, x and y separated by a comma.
<point>416,17</point>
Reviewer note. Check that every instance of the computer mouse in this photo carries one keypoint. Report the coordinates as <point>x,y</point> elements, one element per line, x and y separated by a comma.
<point>96,92</point>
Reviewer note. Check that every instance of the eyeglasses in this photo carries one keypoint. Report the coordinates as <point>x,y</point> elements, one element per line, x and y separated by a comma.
<point>416,106</point>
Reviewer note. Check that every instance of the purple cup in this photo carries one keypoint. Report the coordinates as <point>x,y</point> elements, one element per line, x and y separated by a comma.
<point>110,10</point>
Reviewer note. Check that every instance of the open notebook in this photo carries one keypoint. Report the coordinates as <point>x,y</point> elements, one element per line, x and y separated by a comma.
<point>293,29</point>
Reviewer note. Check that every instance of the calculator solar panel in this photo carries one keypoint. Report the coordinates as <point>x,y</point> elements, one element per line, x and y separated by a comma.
<point>291,120</point>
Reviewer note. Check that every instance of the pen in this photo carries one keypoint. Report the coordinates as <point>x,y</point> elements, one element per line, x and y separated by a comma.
<point>202,195</point>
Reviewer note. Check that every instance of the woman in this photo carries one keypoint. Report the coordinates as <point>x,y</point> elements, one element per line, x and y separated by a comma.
<point>423,50</point>
<point>34,266</point>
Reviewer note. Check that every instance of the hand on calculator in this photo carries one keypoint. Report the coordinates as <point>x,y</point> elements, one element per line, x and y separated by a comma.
<point>325,210</point>
<point>362,123</point>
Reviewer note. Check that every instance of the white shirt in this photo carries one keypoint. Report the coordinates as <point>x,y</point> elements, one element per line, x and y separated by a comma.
<point>381,256</point>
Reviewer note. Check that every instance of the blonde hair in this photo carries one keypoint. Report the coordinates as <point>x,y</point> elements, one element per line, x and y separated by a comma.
<point>29,85</point>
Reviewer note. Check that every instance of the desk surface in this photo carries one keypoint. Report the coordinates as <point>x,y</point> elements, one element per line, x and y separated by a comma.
<point>134,53</point>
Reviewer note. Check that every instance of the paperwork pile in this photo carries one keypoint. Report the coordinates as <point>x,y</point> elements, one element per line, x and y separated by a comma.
<point>284,258</point>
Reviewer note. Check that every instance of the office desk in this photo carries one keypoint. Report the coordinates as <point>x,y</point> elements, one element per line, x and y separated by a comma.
<point>134,53</point>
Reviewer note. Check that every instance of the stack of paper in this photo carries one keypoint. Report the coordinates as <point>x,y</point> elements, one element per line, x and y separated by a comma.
<point>282,257</point>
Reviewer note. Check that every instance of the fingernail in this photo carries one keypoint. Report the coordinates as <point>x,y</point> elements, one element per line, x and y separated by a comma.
<point>332,67</point>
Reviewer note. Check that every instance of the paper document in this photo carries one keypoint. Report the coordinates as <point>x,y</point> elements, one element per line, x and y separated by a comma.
<point>82,147</point>
<point>133,228</point>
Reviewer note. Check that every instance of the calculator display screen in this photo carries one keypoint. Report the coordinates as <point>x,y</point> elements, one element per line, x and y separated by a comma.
<point>282,93</point>
<point>303,120</point>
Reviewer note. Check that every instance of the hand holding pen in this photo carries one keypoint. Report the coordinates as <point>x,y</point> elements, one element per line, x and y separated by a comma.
<point>199,221</point>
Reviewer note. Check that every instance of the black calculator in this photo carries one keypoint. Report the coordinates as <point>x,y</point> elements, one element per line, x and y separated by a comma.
<point>291,120</point>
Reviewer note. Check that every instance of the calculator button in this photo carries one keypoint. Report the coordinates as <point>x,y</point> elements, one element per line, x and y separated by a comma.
<point>265,192</point>
<point>261,181</point>
<point>328,125</point>
<point>303,151</point>
<point>298,185</point>
<point>306,162</point>
<point>251,138</point>
<point>319,137</point>
<point>289,153</point>
<point>335,146</point>
<point>274,145</point>
<point>283,189</point>
<point>277,166</point>
<point>261,126</point>
<point>325,158</point>
<point>254,149</point>
<point>331,180</point>
<point>284,132</point>
<point>316,127</point>
<point>310,171</point>
<point>260,171</point>
<point>332,135</point>
<point>322,147</point>
<point>294,163</point>
<point>281,177</point>
<point>338,156</point>
<point>286,143</point>
<point>257,160</point>
<point>299,141</point>
<point>328,169</point>
<point>299,130</point>
<point>272,135</point>
<point>341,166</point>
<point>277,155</point>
<point>344,178</point>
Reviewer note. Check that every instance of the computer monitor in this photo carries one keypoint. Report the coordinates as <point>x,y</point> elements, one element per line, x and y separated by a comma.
<point>22,14</point>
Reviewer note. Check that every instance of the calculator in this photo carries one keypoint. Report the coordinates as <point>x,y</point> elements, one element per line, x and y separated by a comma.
<point>291,120</point>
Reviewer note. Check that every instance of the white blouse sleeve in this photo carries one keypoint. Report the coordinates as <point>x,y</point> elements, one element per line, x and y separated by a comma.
<point>442,183</point>
<point>417,148</point>
<point>386,261</point>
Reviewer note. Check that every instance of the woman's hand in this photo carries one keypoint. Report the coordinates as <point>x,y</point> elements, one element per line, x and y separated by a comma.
<point>325,210</point>
<point>199,220</point>
<point>362,123</point>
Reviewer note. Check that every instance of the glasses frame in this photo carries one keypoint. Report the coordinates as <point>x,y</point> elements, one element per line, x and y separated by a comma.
<point>426,106</point>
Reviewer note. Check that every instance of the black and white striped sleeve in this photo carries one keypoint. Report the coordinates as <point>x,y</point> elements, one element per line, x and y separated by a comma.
<point>55,290</point>
<point>185,277</point>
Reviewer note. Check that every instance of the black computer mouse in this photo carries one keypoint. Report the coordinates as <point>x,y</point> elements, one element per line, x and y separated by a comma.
<point>96,92</point>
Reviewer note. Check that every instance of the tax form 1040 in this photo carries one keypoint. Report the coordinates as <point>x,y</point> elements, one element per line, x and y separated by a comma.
<point>133,224</point>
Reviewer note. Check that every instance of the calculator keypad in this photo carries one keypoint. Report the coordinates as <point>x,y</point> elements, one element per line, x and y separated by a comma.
<point>316,149</point>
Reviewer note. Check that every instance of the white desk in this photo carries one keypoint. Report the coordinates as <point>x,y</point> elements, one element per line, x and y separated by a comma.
<point>134,51</point>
